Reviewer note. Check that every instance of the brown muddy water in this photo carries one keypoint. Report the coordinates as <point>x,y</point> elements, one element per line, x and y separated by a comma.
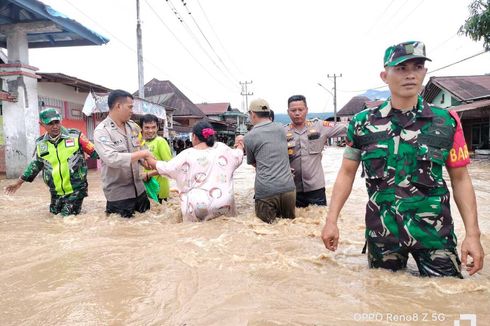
<point>94,269</point>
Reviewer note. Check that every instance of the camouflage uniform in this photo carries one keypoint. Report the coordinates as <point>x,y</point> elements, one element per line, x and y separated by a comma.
<point>64,169</point>
<point>402,155</point>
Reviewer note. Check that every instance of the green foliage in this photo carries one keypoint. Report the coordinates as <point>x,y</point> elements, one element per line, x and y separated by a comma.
<point>477,26</point>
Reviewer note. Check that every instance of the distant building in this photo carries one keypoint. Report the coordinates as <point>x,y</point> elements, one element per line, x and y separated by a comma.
<point>235,121</point>
<point>66,94</point>
<point>470,97</point>
<point>356,105</point>
<point>181,112</point>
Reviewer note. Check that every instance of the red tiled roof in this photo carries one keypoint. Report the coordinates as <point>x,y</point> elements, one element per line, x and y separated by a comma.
<point>213,108</point>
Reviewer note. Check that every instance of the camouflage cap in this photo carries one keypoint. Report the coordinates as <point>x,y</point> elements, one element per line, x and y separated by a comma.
<point>48,115</point>
<point>259,105</point>
<point>396,54</point>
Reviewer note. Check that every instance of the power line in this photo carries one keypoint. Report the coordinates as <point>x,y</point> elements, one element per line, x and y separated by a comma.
<point>437,47</point>
<point>459,61</point>
<point>429,72</point>
<point>187,49</point>
<point>396,12</point>
<point>400,23</point>
<point>334,76</point>
<point>378,19</point>
<point>245,93</point>
<point>217,37</point>
<point>195,38</point>
<point>207,40</point>
<point>128,47</point>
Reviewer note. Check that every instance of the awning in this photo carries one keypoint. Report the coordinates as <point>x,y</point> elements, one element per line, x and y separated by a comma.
<point>471,106</point>
<point>97,103</point>
<point>46,27</point>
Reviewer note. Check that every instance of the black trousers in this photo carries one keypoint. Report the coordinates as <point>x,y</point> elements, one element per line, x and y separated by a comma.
<point>127,207</point>
<point>315,197</point>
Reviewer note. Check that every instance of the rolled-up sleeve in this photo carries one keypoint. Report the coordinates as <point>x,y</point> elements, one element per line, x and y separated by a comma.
<point>336,130</point>
<point>108,152</point>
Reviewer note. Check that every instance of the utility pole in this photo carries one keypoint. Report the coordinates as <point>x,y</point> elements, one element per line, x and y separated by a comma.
<point>245,93</point>
<point>334,76</point>
<point>141,79</point>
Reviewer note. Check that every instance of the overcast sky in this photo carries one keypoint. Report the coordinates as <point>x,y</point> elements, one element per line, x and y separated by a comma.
<point>285,47</point>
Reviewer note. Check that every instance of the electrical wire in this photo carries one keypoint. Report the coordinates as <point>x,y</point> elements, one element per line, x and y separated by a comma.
<point>217,38</point>
<point>196,39</point>
<point>130,48</point>
<point>186,48</point>
<point>207,40</point>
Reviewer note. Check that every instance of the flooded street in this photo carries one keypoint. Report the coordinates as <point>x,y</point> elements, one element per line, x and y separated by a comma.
<point>152,270</point>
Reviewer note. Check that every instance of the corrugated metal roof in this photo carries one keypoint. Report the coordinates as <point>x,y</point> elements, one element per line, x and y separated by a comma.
<point>355,105</point>
<point>213,108</point>
<point>471,106</point>
<point>48,27</point>
<point>165,93</point>
<point>82,85</point>
<point>463,88</point>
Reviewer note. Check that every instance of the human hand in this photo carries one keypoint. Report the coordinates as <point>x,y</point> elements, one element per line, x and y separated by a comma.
<point>472,247</point>
<point>239,141</point>
<point>11,189</point>
<point>151,162</point>
<point>330,235</point>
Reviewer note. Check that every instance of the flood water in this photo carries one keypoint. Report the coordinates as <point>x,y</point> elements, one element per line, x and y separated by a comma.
<point>94,269</point>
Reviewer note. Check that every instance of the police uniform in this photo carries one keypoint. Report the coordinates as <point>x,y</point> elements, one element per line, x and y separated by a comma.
<point>121,182</point>
<point>305,148</point>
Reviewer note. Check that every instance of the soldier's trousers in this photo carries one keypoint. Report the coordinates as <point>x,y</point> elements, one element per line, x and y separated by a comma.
<point>67,205</point>
<point>430,262</point>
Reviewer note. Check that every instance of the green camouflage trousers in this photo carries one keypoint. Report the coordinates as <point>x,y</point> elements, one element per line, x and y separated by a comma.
<point>67,205</point>
<point>430,262</point>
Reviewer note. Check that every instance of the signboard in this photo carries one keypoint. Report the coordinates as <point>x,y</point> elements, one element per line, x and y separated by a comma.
<point>97,103</point>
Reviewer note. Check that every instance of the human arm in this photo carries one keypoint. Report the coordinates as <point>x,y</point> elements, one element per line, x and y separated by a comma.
<point>248,150</point>
<point>30,172</point>
<point>239,142</point>
<point>114,156</point>
<point>341,191</point>
<point>464,196</point>
<point>333,130</point>
<point>12,188</point>
<point>87,146</point>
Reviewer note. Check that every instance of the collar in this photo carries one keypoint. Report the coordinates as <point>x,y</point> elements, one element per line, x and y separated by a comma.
<point>307,125</point>
<point>385,110</point>
<point>263,123</point>
<point>111,123</point>
<point>63,135</point>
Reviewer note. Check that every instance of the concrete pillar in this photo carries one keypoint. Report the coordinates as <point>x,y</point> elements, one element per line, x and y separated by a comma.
<point>20,119</point>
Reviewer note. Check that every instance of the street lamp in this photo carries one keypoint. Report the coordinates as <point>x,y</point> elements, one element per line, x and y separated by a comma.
<point>333,95</point>
<point>325,88</point>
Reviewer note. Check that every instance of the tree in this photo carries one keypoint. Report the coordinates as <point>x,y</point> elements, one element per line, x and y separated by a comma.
<point>477,26</point>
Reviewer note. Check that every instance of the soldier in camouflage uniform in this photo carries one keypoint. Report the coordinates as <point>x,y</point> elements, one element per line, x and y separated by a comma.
<point>60,155</point>
<point>403,145</point>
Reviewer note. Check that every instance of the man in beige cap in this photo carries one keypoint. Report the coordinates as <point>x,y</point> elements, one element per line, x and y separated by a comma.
<point>266,148</point>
